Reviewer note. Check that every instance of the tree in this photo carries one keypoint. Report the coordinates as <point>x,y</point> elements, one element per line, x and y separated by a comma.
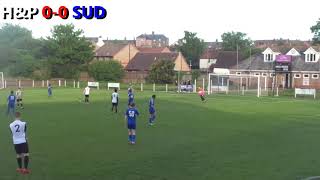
<point>191,47</point>
<point>67,51</point>
<point>195,74</point>
<point>162,71</point>
<point>316,33</point>
<point>110,70</point>
<point>19,51</point>
<point>232,40</point>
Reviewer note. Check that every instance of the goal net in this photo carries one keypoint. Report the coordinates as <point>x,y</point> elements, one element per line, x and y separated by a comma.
<point>238,84</point>
<point>1,81</point>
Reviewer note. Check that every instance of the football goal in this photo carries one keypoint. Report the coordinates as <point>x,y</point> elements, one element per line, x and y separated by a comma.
<point>2,86</point>
<point>244,84</point>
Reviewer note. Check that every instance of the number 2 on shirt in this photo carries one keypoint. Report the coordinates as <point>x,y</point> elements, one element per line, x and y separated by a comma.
<point>17,128</point>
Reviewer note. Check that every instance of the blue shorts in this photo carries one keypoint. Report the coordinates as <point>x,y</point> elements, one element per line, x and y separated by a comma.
<point>131,126</point>
<point>152,110</point>
<point>11,106</point>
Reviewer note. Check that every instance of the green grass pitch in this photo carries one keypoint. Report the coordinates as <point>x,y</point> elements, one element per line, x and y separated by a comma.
<point>227,138</point>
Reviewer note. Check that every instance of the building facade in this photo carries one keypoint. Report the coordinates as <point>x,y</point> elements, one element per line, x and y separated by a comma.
<point>152,41</point>
<point>122,52</point>
<point>300,70</point>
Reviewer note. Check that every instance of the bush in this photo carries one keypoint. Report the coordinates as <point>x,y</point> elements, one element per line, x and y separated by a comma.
<point>162,71</point>
<point>106,71</point>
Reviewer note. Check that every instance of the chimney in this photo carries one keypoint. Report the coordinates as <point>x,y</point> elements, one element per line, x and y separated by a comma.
<point>152,33</point>
<point>100,41</point>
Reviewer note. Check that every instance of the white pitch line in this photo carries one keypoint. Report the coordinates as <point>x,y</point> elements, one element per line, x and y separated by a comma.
<point>312,178</point>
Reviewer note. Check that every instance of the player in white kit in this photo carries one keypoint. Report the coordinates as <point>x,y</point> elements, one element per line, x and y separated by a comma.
<point>19,98</point>
<point>18,129</point>
<point>86,93</point>
<point>115,100</point>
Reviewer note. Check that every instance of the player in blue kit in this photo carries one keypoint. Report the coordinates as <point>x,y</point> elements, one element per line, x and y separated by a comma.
<point>152,110</point>
<point>131,117</point>
<point>49,90</point>
<point>130,97</point>
<point>11,104</point>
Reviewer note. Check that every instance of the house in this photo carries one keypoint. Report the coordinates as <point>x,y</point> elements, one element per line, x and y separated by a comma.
<point>227,59</point>
<point>139,66</point>
<point>97,42</point>
<point>276,43</point>
<point>143,61</point>
<point>208,57</point>
<point>152,40</point>
<point>122,52</point>
<point>300,70</point>
<point>154,50</point>
<point>117,41</point>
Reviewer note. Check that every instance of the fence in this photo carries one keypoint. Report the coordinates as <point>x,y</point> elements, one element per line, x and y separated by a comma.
<point>15,83</point>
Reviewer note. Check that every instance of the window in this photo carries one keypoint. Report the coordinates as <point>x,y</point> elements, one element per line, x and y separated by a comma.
<point>297,76</point>
<point>269,57</point>
<point>256,74</point>
<point>271,74</point>
<point>305,75</point>
<point>238,73</point>
<point>311,58</point>
<point>315,76</point>
<point>264,74</point>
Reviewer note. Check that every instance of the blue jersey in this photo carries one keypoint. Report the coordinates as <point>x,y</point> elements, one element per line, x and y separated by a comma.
<point>49,91</point>
<point>132,114</point>
<point>131,98</point>
<point>11,100</point>
<point>151,106</point>
<point>151,103</point>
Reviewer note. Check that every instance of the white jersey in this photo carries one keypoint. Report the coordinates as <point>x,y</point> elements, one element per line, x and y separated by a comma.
<point>87,91</point>
<point>19,94</point>
<point>115,97</point>
<point>18,130</point>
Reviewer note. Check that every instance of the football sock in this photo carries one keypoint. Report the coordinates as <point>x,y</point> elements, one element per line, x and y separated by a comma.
<point>130,138</point>
<point>19,160</point>
<point>26,162</point>
<point>134,138</point>
<point>150,120</point>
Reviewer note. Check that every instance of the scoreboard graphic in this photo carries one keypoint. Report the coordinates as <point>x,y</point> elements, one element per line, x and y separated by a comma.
<point>46,12</point>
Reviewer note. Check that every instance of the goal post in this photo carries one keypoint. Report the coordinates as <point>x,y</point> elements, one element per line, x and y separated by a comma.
<point>2,85</point>
<point>240,84</point>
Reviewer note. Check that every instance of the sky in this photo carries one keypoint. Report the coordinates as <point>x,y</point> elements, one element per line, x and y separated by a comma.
<point>269,19</point>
